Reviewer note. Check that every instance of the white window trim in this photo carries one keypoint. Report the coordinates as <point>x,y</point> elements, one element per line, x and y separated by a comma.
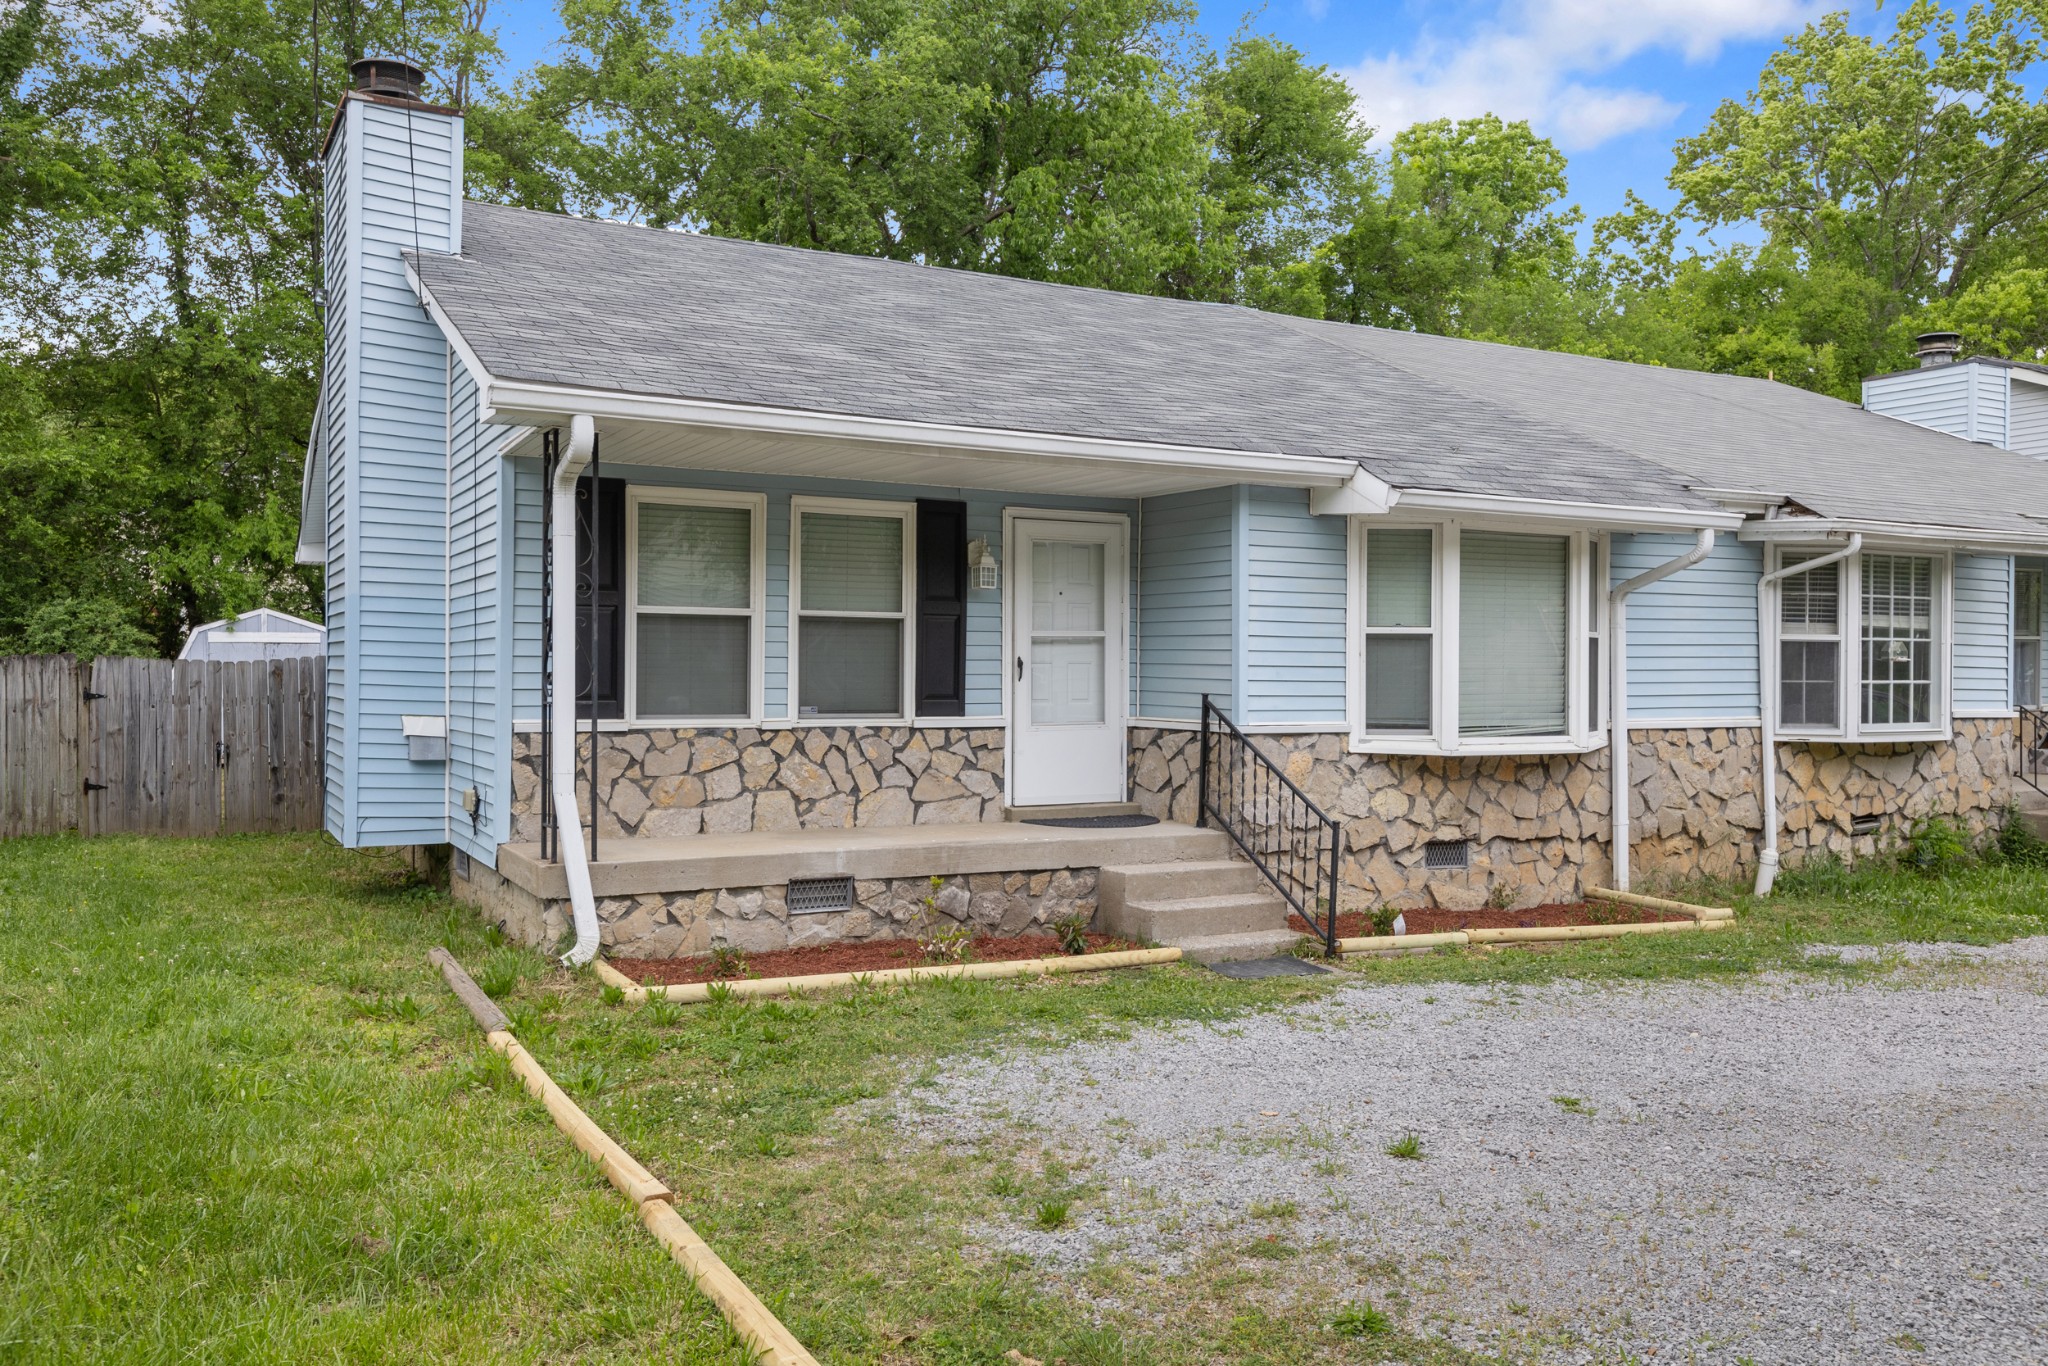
<point>757,596</point>
<point>905,511</point>
<point>1849,628</point>
<point>1588,556</point>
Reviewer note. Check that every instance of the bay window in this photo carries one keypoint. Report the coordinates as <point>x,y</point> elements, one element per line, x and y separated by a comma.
<point>1862,646</point>
<point>850,589</point>
<point>696,591</point>
<point>1476,639</point>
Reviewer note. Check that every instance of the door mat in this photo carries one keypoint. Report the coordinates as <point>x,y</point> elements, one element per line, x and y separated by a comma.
<point>1256,969</point>
<point>1095,822</point>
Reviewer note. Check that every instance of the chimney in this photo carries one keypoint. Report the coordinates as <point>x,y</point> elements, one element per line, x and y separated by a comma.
<point>1938,348</point>
<point>388,76</point>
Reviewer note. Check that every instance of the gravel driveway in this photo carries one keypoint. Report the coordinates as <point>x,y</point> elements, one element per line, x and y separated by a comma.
<point>1794,1169</point>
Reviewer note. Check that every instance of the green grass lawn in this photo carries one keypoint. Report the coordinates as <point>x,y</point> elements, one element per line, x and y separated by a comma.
<point>242,1120</point>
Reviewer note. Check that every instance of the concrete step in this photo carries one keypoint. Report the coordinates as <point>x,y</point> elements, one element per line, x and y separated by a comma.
<point>1174,920</point>
<point>1181,877</point>
<point>1063,813</point>
<point>1227,948</point>
<point>2033,808</point>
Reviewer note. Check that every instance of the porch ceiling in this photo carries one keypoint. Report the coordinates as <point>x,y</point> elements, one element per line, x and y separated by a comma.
<point>1092,469</point>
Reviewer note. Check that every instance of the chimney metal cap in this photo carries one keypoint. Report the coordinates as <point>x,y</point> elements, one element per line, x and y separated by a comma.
<point>1938,348</point>
<point>387,76</point>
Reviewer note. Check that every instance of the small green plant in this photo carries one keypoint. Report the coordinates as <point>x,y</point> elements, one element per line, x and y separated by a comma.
<point>1050,1214</point>
<point>1072,931</point>
<point>499,973</point>
<point>1408,1147</point>
<point>1361,1320</point>
<point>1503,895</point>
<point>718,994</point>
<point>1937,847</point>
<point>2018,844</point>
<point>1572,1105</point>
<point>767,1146</point>
<point>939,940</point>
<point>727,961</point>
<point>663,1013</point>
<point>588,1079</point>
<point>1273,1209</point>
<point>1383,918</point>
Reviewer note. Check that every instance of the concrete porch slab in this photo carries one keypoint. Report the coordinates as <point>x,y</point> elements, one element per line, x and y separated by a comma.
<point>689,863</point>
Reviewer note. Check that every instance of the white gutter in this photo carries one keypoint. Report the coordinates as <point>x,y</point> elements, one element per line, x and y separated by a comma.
<point>1767,695</point>
<point>562,666</point>
<point>1617,693</point>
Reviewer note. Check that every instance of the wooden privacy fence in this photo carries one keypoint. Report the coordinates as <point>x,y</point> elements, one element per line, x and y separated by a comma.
<point>159,746</point>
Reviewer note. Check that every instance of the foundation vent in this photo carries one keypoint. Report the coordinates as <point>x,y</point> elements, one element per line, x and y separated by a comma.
<point>1866,825</point>
<point>809,895</point>
<point>1447,855</point>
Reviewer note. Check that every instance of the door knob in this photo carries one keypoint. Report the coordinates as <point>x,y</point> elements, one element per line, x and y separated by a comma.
<point>1020,668</point>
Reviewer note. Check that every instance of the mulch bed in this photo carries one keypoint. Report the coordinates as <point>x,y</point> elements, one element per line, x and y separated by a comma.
<point>1357,924</point>
<point>870,956</point>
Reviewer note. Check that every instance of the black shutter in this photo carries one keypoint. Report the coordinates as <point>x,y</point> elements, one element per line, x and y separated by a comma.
<point>606,596</point>
<point>941,608</point>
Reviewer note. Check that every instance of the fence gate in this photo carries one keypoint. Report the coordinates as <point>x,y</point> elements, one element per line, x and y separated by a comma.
<point>159,746</point>
<point>41,785</point>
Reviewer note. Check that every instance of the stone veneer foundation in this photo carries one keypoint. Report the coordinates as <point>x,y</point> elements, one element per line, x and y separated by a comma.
<point>663,782</point>
<point>1540,829</point>
<point>758,919</point>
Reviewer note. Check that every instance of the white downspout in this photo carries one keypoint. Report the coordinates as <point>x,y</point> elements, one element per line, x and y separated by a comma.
<point>1767,695</point>
<point>568,819</point>
<point>1617,691</point>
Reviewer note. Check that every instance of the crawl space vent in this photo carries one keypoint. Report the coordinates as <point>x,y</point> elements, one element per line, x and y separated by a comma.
<point>809,895</point>
<point>1866,825</point>
<point>1447,855</point>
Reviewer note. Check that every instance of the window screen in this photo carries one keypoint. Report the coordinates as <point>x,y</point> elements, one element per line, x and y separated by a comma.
<point>2026,637</point>
<point>1512,634</point>
<point>1400,673</point>
<point>1810,646</point>
<point>851,615</point>
<point>693,610</point>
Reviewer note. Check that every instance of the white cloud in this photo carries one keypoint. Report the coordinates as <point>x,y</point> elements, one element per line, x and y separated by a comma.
<point>1541,60</point>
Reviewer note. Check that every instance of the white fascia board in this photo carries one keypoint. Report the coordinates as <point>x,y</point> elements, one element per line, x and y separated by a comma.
<point>1608,515</point>
<point>1969,539</point>
<point>462,348</point>
<point>529,404</point>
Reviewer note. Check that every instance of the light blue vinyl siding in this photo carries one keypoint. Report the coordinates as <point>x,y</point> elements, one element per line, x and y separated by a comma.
<point>1988,422</point>
<point>1294,619</point>
<point>479,725</point>
<point>388,516</point>
<point>1937,398</point>
<point>2026,426</point>
<point>1691,637</point>
<point>1185,605</point>
<point>984,606</point>
<point>1983,634</point>
<point>340,272</point>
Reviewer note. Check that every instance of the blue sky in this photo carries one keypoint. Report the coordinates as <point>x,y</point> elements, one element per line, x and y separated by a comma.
<point>1613,82</point>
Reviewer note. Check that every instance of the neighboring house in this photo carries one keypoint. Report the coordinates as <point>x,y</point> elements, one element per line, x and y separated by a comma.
<point>879,546</point>
<point>261,634</point>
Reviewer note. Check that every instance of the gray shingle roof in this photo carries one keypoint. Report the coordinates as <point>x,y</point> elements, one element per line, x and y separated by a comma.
<point>589,304</point>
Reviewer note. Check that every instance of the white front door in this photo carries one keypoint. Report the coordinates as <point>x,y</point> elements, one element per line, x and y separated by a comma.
<point>1068,662</point>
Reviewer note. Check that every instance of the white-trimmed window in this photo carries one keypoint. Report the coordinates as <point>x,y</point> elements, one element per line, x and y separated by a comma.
<point>2027,586</point>
<point>1476,639</point>
<point>1863,646</point>
<point>696,584</point>
<point>851,586</point>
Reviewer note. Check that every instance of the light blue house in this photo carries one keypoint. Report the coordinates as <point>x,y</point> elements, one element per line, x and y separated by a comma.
<point>857,563</point>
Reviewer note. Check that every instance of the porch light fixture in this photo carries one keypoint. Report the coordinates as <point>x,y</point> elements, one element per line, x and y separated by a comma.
<point>984,570</point>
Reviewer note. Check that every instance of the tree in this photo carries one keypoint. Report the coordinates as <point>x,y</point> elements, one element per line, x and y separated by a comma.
<point>1897,174</point>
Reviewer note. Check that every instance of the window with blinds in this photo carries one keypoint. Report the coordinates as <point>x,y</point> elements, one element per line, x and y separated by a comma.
<point>1400,632</point>
<point>695,602</point>
<point>1513,619</point>
<point>2027,587</point>
<point>1898,640</point>
<point>1810,646</point>
<point>851,615</point>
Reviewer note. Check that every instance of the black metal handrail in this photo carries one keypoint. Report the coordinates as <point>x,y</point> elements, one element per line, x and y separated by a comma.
<point>1288,838</point>
<point>2034,748</point>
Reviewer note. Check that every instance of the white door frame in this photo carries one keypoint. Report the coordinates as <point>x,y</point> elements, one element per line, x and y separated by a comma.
<point>1118,617</point>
